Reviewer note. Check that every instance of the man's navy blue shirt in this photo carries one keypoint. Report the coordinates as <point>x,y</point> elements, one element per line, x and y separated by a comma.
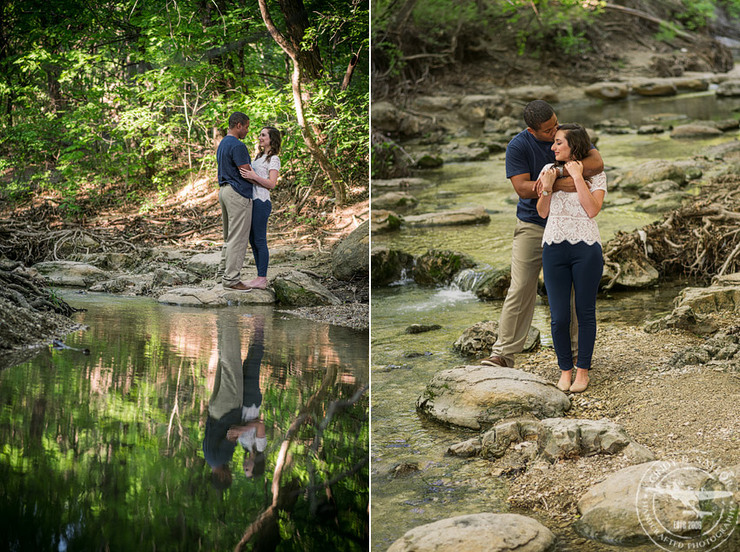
<point>527,154</point>
<point>232,153</point>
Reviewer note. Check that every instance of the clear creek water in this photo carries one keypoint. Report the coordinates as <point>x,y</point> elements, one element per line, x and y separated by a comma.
<point>402,364</point>
<point>114,450</point>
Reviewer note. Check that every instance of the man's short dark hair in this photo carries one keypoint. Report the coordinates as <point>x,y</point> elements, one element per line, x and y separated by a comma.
<point>536,113</point>
<point>238,117</point>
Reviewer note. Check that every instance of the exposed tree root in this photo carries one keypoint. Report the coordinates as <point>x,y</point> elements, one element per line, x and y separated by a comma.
<point>700,240</point>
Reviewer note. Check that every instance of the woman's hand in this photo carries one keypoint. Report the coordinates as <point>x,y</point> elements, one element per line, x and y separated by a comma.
<point>247,174</point>
<point>547,180</point>
<point>234,432</point>
<point>574,168</point>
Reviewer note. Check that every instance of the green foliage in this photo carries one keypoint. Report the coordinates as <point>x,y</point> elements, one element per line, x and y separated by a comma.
<point>732,7</point>
<point>133,91</point>
<point>439,31</point>
<point>666,32</point>
<point>697,13</point>
<point>541,24</point>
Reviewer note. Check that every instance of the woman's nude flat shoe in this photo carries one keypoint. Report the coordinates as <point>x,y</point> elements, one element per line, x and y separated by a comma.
<point>579,387</point>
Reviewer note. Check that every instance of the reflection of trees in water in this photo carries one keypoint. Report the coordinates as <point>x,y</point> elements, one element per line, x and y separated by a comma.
<point>304,470</point>
<point>101,442</point>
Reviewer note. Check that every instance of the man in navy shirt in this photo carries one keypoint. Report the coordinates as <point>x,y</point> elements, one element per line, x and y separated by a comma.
<point>235,197</point>
<point>526,154</point>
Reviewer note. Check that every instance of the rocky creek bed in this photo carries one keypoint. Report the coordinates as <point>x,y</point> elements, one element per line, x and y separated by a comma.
<point>323,284</point>
<point>666,393</point>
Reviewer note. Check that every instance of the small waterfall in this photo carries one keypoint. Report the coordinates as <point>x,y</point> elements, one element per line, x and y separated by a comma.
<point>404,279</point>
<point>467,279</point>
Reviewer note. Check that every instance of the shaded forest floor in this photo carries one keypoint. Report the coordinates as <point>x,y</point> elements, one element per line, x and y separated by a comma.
<point>190,218</point>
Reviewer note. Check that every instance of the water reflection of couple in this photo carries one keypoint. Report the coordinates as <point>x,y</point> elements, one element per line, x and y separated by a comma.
<point>234,406</point>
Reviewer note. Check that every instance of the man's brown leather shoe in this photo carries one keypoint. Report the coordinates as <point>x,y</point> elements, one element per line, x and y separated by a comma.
<point>239,286</point>
<point>494,360</point>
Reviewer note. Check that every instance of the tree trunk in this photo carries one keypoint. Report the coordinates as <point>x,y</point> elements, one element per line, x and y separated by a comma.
<point>297,22</point>
<point>350,70</point>
<point>329,170</point>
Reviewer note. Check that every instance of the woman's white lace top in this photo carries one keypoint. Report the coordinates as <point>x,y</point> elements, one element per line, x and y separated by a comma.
<point>249,440</point>
<point>263,167</point>
<point>568,220</point>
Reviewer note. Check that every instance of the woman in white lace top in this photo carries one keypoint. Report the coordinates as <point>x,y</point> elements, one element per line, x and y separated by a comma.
<point>264,175</point>
<point>571,252</point>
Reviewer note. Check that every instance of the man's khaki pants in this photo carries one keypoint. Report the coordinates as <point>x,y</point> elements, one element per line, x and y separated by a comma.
<point>236,211</point>
<point>518,309</point>
<point>228,387</point>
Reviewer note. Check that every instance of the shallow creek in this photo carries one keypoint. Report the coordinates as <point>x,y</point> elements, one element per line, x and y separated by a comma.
<point>106,450</point>
<point>402,364</point>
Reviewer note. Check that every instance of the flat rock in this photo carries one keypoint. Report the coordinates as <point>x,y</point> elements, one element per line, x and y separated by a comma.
<point>476,533</point>
<point>531,93</point>
<point>478,396</point>
<point>653,501</point>
<point>435,104</point>
<point>216,296</point>
<point>301,290</point>
<point>654,87</point>
<point>662,202</point>
<point>728,88</point>
<point>193,297</point>
<point>399,183</point>
<point>712,299</point>
<point>71,273</point>
<point>395,201</point>
<point>652,171</point>
<point>695,130</point>
<point>608,90</point>
<point>384,221</point>
<point>456,217</point>
<point>558,438</point>
<point>205,264</point>
<point>561,438</point>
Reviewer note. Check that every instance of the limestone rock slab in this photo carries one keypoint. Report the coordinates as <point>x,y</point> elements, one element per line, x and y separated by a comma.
<point>192,297</point>
<point>477,532</point>
<point>608,90</point>
<point>477,396</point>
<point>633,505</point>
<point>456,217</point>
<point>301,290</point>
<point>71,273</point>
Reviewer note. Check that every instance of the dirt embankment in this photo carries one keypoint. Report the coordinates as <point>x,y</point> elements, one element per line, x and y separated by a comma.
<point>622,42</point>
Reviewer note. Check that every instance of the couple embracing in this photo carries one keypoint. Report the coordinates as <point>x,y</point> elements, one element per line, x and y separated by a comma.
<point>559,177</point>
<point>244,196</point>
